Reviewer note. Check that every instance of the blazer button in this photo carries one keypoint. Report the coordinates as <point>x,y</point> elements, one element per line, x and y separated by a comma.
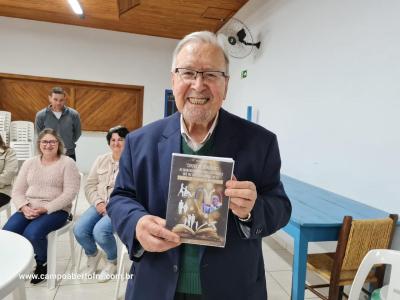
<point>175,268</point>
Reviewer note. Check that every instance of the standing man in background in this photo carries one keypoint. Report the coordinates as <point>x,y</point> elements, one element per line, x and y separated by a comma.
<point>63,119</point>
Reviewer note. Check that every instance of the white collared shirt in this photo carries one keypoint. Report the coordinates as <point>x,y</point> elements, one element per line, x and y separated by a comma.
<point>57,114</point>
<point>190,141</point>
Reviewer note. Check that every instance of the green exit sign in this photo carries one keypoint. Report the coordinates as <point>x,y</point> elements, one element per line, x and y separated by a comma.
<point>243,74</point>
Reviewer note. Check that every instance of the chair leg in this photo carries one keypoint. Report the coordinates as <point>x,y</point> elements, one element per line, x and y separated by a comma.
<point>8,210</point>
<point>120,273</point>
<point>341,292</point>
<point>79,261</point>
<point>20,292</point>
<point>51,259</point>
<point>72,246</point>
<point>333,292</point>
<point>118,281</point>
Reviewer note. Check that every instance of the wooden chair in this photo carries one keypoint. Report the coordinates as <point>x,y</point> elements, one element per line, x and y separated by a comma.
<point>356,238</point>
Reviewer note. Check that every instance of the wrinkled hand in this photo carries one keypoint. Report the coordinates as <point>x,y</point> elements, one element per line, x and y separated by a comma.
<point>29,212</point>
<point>101,208</point>
<point>243,196</point>
<point>153,236</point>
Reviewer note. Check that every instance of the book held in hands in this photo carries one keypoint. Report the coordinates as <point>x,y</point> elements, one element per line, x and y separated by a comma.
<point>197,207</point>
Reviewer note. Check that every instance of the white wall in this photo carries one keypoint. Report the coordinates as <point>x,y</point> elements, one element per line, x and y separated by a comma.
<point>72,52</point>
<point>326,80</point>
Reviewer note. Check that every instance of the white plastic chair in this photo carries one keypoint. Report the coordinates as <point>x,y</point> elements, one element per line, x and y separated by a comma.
<point>121,269</point>
<point>22,131</point>
<point>120,247</point>
<point>373,257</point>
<point>122,256</point>
<point>23,150</point>
<point>5,117</point>
<point>5,121</point>
<point>52,243</point>
<point>4,136</point>
<point>5,114</point>
<point>7,208</point>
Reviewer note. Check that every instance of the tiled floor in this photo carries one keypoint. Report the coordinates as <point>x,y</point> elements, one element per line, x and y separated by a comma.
<point>278,265</point>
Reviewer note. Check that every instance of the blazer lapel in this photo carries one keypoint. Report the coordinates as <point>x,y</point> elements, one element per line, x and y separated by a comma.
<point>170,142</point>
<point>226,141</point>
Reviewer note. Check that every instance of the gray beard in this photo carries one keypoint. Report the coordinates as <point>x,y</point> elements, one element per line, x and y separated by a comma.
<point>197,116</point>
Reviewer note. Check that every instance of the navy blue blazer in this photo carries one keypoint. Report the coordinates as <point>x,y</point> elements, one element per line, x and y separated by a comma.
<point>233,272</point>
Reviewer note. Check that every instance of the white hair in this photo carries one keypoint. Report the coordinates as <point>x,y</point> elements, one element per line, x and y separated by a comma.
<point>206,37</point>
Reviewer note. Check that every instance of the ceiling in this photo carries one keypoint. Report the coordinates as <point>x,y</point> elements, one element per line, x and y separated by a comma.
<point>163,18</point>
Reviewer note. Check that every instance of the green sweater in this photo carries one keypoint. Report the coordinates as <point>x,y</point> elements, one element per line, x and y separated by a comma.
<point>189,275</point>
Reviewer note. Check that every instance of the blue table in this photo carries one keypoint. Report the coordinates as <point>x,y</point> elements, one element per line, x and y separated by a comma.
<point>317,216</point>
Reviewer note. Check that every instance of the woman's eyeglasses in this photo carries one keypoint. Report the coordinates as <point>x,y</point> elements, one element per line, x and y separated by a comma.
<point>49,142</point>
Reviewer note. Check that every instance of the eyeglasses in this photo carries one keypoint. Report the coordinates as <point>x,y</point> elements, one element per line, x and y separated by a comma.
<point>191,75</point>
<point>49,142</point>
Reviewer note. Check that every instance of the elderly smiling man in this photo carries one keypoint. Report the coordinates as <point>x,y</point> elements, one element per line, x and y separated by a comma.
<point>164,268</point>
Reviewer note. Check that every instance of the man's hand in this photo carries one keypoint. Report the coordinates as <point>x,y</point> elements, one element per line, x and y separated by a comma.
<point>243,196</point>
<point>153,236</point>
<point>29,213</point>
<point>101,208</point>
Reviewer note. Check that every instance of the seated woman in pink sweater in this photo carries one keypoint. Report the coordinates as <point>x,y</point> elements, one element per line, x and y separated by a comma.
<point>42,194</point>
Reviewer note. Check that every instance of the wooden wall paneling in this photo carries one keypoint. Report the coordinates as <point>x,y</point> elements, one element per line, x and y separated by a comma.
<point>103,108</point>
<point>71,99</point>
<point>24,97</point>
<point>101,105</point>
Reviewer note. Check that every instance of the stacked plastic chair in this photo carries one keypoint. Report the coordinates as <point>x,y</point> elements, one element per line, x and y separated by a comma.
<point>5,121</point>
<point>22,131</point>
<point>4,136</point>
<point>21,139</point>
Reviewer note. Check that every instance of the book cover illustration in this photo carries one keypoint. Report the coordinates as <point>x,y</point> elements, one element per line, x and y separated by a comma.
<point>197,207</point>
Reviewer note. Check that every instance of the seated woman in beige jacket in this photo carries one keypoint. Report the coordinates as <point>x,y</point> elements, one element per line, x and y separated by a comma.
<point>94,226</point>
<point>8,170</point>
<point>42,194</point>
